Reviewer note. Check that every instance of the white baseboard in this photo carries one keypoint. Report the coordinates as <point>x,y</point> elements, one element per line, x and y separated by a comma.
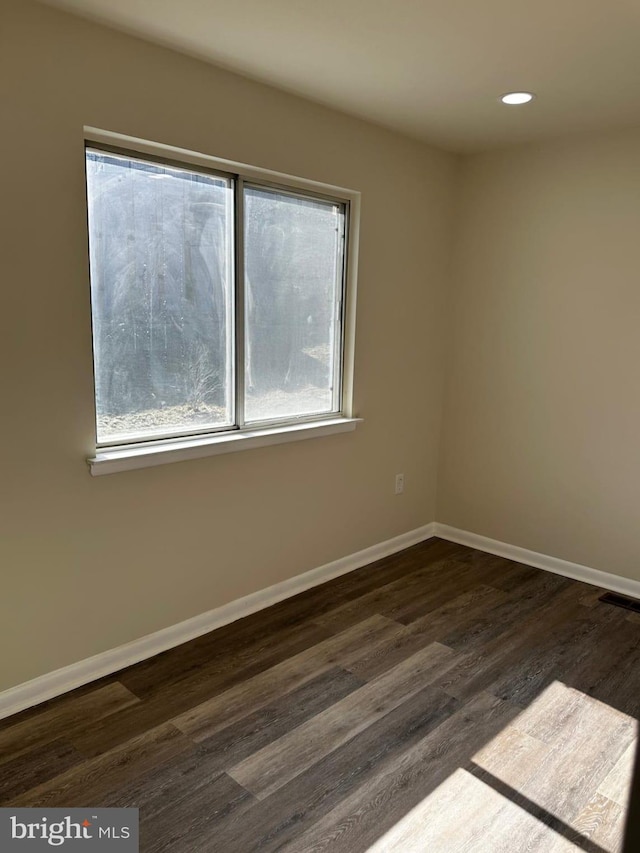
<point>69,677</point>
<point>596,577</point>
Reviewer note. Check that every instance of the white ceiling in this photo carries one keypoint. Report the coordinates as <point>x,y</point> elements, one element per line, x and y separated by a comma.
<point>430,68</point>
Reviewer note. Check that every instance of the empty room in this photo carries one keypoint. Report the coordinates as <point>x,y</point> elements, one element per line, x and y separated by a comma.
<point>320,503</point>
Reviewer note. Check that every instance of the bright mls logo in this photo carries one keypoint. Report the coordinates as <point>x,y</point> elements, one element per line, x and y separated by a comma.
<point>70,829</point>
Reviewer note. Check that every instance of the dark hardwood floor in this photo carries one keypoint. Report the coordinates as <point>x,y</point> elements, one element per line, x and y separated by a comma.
<point>438,700</point>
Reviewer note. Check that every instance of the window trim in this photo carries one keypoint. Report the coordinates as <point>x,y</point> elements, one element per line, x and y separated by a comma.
<point>153,451</point>
<point>109,460</point>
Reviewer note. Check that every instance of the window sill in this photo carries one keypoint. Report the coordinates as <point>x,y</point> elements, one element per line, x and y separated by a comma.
<point>129,457</point>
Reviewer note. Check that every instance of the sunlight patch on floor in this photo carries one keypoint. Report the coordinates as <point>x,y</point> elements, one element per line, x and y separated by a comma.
<point>450,818</point>
<point>555,780</point>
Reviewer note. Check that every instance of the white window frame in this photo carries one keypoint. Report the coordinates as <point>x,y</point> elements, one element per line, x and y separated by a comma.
<point>158,450</point>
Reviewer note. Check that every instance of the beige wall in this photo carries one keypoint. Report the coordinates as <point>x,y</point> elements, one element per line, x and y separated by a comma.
<point>541,438</point>
<point>88,564</point>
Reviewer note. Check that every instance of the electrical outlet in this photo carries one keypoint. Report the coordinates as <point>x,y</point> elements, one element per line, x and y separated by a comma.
<point>399,484</point>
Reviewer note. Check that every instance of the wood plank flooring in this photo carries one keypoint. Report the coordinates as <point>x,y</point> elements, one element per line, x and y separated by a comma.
<point>438,700</point>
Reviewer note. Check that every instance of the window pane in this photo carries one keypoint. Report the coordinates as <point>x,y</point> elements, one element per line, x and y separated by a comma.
<point>293,284</point>
<point>161,268</point>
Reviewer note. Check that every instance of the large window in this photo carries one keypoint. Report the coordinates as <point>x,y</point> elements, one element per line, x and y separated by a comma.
<point>217,299</point>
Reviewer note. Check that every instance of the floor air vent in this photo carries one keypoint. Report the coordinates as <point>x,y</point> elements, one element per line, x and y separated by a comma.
<point>621,601</point>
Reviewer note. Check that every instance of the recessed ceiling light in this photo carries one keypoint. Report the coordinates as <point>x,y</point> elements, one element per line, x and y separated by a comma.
<point>517,97</point>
